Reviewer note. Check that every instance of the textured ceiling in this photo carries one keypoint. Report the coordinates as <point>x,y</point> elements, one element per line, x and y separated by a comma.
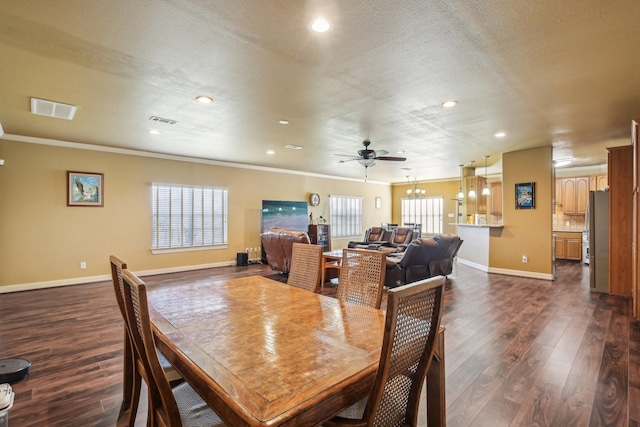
<point>560,73</point>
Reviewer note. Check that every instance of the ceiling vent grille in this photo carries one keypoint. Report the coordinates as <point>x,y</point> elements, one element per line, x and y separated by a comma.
<point>42,107</point>
<point>161,120</point>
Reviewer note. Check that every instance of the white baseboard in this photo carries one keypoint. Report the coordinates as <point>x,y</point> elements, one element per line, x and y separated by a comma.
<point>106,277</point>
<point>473,264</point>
<point>507,272</point>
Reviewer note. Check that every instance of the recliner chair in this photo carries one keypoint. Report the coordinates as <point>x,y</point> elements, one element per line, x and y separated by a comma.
<point>278,247</point>
<point>371,236</point>
<point>442,262</point>
<point>411,265</point>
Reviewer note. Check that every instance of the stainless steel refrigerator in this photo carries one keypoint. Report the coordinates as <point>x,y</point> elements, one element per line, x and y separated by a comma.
<point>597,222</point>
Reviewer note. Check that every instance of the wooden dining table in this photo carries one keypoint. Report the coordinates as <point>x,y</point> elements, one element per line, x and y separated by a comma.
<point>263,353</point>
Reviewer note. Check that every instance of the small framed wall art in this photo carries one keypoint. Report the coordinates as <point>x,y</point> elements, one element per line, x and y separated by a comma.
<point>526,195</point>
<point>85,189</point>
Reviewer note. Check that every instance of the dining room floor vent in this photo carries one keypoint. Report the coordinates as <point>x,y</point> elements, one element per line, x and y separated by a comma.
<point>42,107</point>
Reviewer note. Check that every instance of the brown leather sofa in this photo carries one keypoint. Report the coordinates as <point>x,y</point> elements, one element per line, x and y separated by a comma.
<point>422,258</point>
<point>278,247</point>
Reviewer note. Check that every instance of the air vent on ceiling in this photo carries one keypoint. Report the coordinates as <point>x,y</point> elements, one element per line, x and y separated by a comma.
<point>161,120</point>
<point>58,110</point>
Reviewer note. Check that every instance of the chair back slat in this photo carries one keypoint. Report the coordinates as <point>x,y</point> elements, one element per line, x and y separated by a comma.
<point>362,277</point>
<point>305,266</point>
<point>412,322</point>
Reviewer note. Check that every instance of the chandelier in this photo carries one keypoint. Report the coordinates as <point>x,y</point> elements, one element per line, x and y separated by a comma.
<point>414,192</point>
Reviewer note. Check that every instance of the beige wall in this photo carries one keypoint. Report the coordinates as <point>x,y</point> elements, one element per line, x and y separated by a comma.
<point>526,232</point>
<point>43,240</point>
<point>446,189</point>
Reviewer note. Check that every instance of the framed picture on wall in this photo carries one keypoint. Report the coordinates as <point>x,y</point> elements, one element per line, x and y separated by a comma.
<point>85,189</point>
<point>526,195</point>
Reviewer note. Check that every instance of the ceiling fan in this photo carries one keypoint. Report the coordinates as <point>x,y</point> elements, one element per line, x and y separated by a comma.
<point>368,158</point>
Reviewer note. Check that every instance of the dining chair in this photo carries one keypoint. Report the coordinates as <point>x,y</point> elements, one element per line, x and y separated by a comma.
<point>411,326</point>
<point>167,407</point>
<point>362,277</point>
<point>305,266</point>
<point>131,379</point>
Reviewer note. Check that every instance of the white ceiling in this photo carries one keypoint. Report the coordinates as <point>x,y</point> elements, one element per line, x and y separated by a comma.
<point>549,72</point>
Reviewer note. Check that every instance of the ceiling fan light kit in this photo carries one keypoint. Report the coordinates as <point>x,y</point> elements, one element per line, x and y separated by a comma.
<point>368,158</point>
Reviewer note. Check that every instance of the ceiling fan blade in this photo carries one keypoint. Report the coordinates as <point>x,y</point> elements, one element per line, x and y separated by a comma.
<point>380,153</point>
<point>347,155</point>
<point>395,159</point>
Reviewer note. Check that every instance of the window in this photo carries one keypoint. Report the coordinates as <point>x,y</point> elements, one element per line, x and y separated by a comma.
<point>428,212</point>
<point>188,217</point>
<point>346,216</point>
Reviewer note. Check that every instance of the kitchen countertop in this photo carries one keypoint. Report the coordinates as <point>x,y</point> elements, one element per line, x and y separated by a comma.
<point>568,231</point>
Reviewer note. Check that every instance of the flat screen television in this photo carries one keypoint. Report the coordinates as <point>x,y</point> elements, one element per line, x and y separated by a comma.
<point>288,215</point>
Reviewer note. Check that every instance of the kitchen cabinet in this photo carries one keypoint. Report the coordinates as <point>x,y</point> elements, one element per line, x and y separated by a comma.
<point>558,193</point>
<point>598,182</point>
<point>574,193</point>
<point>620,166</point>
<point>569,246</point>
<point>477,204</point>
<point>496,198</point>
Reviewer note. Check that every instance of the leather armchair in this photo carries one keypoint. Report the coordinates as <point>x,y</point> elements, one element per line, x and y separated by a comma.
<point>410,265</point>
<point>278,247</point>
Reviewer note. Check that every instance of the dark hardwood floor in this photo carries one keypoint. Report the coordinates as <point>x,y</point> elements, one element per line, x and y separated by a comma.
<point>519,352</point>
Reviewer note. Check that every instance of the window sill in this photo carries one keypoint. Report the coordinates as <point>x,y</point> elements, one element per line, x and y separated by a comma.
<point>189,249</point>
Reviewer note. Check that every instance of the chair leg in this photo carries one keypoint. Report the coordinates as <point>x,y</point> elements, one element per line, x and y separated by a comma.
<point>135,397</point>
<point>127,375</point>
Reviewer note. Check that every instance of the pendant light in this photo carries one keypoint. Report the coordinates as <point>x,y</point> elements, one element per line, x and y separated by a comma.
<point>472,193</point>
<point>460,194</point>
<point>485,190</point>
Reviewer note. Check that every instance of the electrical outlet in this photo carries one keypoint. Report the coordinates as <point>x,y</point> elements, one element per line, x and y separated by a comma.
<point>525,259</point>
<point>83,265</point>
<point>567,223</point>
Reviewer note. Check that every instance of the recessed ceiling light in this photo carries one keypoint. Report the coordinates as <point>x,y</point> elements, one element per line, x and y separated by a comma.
<point>283,122</point>
<point>450,103</point>
<point>320,25</point>
<point>203,99</point>
<point>500,135</point>
<point>271,152</point>
<point>154,132</point>
<point>400,152</point>
<point>294,147</point>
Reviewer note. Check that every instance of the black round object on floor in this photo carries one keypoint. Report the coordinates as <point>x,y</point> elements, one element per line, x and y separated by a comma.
<point>13,370</point>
